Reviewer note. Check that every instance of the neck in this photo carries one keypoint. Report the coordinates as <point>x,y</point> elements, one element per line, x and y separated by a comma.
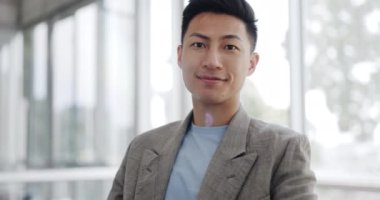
<point>213,115</point>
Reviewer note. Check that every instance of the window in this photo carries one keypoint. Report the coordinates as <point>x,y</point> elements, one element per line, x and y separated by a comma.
<point>117,94</point>
<point>13,109</point>
<point>79,98</point>
<point>38,131</point>
<point>74,90</point>
<point>162,95</point>
<point>266,94</point>
<point>162,63</point>
<point>342,86</point>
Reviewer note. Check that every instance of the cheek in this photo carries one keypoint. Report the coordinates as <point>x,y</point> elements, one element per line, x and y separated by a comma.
<point>239,77</point>
<point>187,75</point>
<point>187,68</point>
<point>186,71</point>
<point>239,80</point>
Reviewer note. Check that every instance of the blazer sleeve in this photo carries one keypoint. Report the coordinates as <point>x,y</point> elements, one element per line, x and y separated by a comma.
<point>124,184</point>
<point>293,179</point>
<point>116,192</point>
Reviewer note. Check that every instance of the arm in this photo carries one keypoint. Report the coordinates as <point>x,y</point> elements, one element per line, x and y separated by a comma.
<point>116,192</point>
<point>124,184</point>
<point>293,179</point>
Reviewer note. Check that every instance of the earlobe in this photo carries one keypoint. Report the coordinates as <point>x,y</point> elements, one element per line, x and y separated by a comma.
<point>179,55</point>
<point>253,63</point>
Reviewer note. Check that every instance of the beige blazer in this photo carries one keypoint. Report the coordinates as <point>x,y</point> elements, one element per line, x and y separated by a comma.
<point>255,160</point>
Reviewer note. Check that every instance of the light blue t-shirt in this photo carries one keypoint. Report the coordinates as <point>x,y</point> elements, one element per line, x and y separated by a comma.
<point>198,147</point>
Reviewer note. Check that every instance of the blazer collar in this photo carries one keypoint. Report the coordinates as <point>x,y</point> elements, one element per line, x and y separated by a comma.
<point>168,156</point>
<point>157,164</point>
<point>225,174</point>
<point>231,162</point>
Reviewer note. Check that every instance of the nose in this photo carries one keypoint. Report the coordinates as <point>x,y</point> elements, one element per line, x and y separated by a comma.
<point>212,59</point>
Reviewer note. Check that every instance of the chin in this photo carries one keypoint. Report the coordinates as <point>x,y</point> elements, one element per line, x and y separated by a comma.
<point>209,100</point>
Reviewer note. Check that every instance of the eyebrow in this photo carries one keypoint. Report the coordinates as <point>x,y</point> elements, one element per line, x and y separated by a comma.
<point>229,36</point>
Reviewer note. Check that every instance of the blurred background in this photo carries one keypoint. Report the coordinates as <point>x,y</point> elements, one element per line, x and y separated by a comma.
<point>80,78</point>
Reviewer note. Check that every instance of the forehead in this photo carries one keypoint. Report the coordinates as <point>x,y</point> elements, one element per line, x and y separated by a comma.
<point>217,25</point>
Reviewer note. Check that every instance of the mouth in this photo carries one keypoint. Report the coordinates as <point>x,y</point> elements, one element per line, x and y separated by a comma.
<point>211,78</point>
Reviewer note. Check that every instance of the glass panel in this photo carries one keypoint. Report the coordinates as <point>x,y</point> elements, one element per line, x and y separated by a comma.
<point>342,86</point>
<point>336,194</point>
<point>39,50</point>
<point>4,107</point>
<point>3,59</point>
<point>117,93</point>
<point>85,83</point>
<point>10,192</point>
<point>162,65</point>
<point>85,119</point>
<point>74,88</point>
<point>39,145</point>
<point>120,7</point>
<point>13,109</point>
<point>66,126</point>
<point>78,190</point>
<point>266,94</point>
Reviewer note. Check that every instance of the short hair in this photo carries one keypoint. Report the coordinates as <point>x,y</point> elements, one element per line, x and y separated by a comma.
<point>238,8</point>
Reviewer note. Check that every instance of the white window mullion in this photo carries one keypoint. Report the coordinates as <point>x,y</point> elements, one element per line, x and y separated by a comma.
<point>143,88</point>
<point>297,112</point>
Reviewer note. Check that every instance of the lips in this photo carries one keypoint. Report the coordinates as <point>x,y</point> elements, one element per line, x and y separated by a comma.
<point>210,77</point>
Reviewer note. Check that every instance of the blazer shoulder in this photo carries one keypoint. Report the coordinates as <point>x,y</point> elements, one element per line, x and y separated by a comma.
<point>262,128</point>
<point>275,136</point>
<point>156,135</point>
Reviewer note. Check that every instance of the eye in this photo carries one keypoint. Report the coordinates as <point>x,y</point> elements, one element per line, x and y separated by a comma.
<point>231,47</point>
<point>198,45</point>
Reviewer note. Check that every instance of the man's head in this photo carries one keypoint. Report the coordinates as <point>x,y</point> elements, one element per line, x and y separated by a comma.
<point>238,8</point>
<point>215,58</point>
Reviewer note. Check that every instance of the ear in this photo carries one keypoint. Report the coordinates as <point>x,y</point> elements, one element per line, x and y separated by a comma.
<point>179,55</point>
<point>253,63</point>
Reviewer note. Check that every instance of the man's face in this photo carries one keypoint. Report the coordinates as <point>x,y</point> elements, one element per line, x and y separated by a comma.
<point>215,58</point>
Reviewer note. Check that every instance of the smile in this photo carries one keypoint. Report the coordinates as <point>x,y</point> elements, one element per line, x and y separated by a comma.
<point>211,78</point>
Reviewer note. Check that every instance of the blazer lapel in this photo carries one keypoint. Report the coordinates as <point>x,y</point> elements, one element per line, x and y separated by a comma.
<point>157,164</point>
<point>146,182</point>
<point>231,163</point>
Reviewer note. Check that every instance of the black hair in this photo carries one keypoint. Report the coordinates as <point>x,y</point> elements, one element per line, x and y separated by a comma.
<point>238,8</point>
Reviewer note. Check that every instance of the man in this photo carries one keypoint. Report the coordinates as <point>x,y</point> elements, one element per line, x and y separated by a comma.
<point>218,151</point>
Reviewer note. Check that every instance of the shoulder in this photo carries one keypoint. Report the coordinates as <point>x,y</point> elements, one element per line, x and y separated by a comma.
<point>155,136</point>
<point>275,131</point>
<point>276,138</point>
